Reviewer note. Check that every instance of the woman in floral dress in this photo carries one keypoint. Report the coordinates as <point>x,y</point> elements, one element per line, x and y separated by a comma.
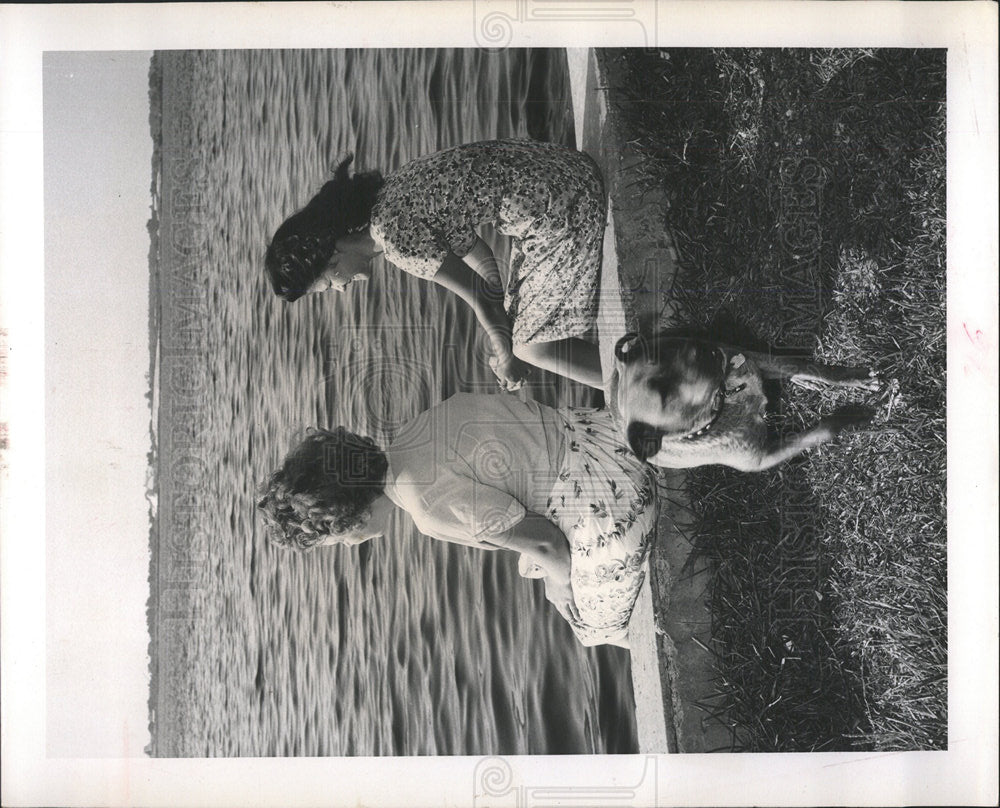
<point>491,471</point>
<point>424,218</point>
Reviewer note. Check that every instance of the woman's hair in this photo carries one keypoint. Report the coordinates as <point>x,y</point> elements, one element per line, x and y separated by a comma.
<point>302,246</point>
<point>325,487</point>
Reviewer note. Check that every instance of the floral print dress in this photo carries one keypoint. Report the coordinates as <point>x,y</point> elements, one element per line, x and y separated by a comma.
<point>548,198</point>
<point>470,467</point>
<point>605,502</point>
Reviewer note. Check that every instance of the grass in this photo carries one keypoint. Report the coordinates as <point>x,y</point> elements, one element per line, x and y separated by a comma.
<point>807,197</point>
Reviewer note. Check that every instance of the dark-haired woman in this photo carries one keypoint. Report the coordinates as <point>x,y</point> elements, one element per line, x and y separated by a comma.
<point>494,472</point>
<point>424,218</point>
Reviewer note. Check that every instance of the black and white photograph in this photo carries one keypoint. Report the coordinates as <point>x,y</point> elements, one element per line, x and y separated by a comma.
<point>500,404</point>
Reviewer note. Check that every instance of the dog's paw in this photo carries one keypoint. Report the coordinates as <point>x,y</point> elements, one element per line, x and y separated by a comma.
<point>847,418</point>
<point>859,378</point>
<point>844,376</point>
<point>870,382</point>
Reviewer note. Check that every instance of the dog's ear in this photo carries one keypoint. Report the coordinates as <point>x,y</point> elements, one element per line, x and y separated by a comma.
<point>643,439</point>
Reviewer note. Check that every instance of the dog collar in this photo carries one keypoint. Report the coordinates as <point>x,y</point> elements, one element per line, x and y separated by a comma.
<point>721,396</point>
<point>716,411</point>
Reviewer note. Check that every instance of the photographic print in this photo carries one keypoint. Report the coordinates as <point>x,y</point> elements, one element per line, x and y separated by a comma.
<point>788,187</point>
<point>539,411</point>
<point>404,646</point>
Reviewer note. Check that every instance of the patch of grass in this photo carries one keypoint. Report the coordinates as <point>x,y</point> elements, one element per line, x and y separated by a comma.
<point>808,207</point>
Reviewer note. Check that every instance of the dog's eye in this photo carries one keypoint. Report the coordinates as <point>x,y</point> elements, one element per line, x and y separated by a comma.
<point>625,348</point>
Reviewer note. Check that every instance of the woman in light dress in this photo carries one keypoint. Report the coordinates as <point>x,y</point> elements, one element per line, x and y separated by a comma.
<point>492,471</point>
<point>424,217</point>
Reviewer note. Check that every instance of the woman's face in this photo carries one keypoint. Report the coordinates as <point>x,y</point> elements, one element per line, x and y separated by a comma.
<point>344,268</point>
<point>375,526</point>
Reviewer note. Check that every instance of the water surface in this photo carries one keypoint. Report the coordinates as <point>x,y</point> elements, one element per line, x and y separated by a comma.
<point>406,646</point>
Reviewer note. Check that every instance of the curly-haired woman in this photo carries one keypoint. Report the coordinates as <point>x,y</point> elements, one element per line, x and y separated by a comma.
<point>494,472</point>
<point>424,218</point>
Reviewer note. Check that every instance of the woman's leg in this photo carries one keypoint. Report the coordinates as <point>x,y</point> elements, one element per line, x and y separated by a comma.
<point>571,357</point>
<point>484,263</point>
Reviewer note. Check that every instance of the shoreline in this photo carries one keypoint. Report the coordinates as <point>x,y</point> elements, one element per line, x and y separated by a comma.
<point>155,80</point>
<point>177,556</point>
<point>671,624</point>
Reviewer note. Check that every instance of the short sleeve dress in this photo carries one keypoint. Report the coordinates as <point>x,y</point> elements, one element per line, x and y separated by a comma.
<point>548,198</point>
<point>471,467</point>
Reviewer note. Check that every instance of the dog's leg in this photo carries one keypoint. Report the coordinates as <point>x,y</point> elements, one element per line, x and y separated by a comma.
<point>807,373</point>
<point>779,451</point>
<point>784,449</point>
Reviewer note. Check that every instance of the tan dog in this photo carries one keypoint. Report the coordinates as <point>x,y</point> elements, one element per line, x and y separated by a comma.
<point>687,402</point>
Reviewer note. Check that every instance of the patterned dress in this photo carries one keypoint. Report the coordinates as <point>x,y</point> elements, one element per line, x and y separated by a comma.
<point>548,198</point>
<point>605,502</point>
<point>472,466</point>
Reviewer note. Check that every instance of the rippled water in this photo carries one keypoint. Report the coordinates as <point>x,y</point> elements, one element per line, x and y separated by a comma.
<point>405,646</point>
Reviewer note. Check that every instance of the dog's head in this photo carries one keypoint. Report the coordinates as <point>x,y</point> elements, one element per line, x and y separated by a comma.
<point>668,387</point>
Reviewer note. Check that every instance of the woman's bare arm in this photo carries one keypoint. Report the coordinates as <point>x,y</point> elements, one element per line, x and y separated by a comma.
<point>546,545</point>
<point>541,540</point>
<point>486,302</point>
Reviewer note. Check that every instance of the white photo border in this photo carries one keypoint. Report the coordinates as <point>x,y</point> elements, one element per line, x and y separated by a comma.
<point>965,774</point>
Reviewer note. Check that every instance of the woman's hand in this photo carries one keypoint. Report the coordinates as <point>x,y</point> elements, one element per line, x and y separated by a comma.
<point>555,558</point>
<point>559,592</point>
<point>510,371</point>
<point>487,303</point>
<point>545,545</point>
